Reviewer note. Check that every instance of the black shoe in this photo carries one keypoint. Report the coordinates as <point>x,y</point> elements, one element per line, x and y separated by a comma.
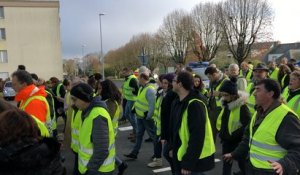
<point>131,156</point>
<point>122,168</point>
<point>148,140</point>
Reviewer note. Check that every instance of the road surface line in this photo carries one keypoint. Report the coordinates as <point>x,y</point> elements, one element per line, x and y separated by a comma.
<point>127,128</point>
<point>162,170</point>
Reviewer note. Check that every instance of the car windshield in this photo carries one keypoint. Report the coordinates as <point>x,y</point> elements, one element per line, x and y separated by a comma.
<point>8,84</point>
<point>200,71</point>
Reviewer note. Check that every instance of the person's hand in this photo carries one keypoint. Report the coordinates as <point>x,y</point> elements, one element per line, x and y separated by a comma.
<point>185,172</point>
<point>216,94</point>
<point>227,157</point>
<point>277,167</point>
<point>163,141</point>
<point>171,153</point>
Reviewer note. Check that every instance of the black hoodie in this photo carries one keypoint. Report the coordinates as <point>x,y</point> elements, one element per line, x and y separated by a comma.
<point>196,123</point>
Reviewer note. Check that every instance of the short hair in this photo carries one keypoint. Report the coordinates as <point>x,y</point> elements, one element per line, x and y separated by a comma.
<point>23,77</point>
<point>21,67</point>
<point>66,82</point>
<point>189,69</point>
<point>54,80</point>
<point>211,70</point>
<point>271,85</point>
<point>233,65</point>
<point>98,76</point>
<point>34,76</point>
<point>144,76</point>
<point>296,73</point>
<point>186,79</point>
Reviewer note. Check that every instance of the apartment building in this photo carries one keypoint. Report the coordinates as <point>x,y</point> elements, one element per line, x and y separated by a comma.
<point>30,35</point>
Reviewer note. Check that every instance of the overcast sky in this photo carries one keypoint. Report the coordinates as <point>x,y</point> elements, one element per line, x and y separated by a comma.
<point>80,31</point>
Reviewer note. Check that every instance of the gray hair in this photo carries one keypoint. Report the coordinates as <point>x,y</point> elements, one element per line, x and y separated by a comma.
<point>233,66</point>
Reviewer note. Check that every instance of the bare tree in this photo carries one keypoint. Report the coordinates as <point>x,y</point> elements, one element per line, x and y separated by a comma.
<point>176,34</point>
<point>243,22</point>
<point>207,31</point>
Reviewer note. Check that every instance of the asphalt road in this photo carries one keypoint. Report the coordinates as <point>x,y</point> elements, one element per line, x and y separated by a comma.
<point>139,166</point>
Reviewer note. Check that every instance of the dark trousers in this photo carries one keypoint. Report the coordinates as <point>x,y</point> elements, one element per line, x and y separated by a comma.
<point>213,116</point>
<point>157,148</point>
<point>166,150</point>
<point>228,147</point>
<point>75,169</point>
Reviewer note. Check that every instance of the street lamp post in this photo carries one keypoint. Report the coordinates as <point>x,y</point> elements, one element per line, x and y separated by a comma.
<point>101,51</point>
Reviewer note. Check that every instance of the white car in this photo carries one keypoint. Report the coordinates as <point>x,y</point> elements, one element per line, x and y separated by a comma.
<point>200,71</point>
<point>8,92</point>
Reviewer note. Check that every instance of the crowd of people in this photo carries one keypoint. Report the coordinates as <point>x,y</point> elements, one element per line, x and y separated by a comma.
<point>254,110</point>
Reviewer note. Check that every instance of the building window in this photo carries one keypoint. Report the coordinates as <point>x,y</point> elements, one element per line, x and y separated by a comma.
<point>3,56</point>
<point>2,34</point>
<point>1,12</point>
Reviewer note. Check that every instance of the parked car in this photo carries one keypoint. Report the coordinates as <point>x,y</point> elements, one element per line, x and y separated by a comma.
<point>200,71</point>
<point>8,92</point>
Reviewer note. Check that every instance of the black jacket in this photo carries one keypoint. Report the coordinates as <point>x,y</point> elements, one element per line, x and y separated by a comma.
<point>30,157</point>
<point>196,124</point>
<point>165,113</point>
<point>287,137</point>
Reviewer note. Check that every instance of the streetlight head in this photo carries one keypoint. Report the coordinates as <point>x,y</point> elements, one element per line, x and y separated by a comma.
<point>101,14</point>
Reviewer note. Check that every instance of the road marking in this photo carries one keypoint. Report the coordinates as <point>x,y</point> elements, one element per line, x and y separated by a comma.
<point>127,128</point>
<point>217,160</point>
<point>162,170</point>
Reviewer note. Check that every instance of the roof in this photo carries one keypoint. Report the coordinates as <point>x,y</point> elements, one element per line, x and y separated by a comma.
<point>283,48</point>
<point>264,45</point>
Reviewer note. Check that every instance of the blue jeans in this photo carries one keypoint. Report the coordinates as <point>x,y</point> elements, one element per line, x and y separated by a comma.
<point>129,115</point>
<point>142,125</point>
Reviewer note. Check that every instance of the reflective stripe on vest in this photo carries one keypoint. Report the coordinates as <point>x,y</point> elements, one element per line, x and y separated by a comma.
<point>141,104</point>
<point>86,146</point>
<point>208,146</point>
<point>43,129</point>
<point>251,99</point>
<point>75,130</point>
<point>263,145</point>
<point>48,122</point>
<point>234,122</point>
<point>156,115</point>
<point>127,90</point>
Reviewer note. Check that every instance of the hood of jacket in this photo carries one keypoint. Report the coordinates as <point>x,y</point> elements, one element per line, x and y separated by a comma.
<point>29,154</point>
<point>29,91</point>
<point>96,102</point>
<point>243,98</point>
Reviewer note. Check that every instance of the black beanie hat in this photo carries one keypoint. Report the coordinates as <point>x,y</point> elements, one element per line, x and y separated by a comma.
<point>83,91</point>
<point>230,86</point>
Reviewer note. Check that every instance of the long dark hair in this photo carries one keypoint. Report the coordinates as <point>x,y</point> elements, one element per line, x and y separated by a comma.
<point>16,125</point>
<point>110,91</point>
<point>201,84</point>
